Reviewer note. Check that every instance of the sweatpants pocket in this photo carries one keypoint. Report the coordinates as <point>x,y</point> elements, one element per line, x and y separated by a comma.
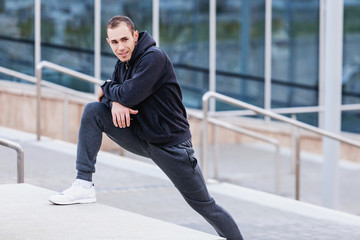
<point>191,158</point>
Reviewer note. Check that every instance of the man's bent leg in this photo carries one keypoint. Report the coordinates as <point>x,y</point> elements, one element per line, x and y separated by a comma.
<point>180,165</point>
<point>96,119</point>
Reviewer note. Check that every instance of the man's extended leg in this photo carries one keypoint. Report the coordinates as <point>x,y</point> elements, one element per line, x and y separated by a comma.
<point>180,165</point>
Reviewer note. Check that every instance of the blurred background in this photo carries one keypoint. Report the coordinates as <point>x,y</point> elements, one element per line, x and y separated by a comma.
<point>68,40</point>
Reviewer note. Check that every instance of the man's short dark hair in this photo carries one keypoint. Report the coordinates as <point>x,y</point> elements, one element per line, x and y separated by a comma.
<point>115,22</point>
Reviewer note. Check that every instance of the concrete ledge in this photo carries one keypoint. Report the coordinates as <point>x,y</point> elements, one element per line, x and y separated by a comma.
<point>285,204</point>
<point>25,213</point>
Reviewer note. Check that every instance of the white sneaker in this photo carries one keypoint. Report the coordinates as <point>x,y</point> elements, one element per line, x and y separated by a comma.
<point>74,195</point>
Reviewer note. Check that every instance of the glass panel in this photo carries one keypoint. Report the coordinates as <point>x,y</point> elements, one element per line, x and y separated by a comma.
<point>351,51</point>
<point>240,50</point>
<point>16,36</point>
<point>295,47</point>
<point>68,40</point>
<point>184,35</point>
<point>351,65</point>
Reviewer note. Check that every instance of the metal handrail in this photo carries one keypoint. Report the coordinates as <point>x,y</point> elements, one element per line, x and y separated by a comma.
<point>267,113</point>
<point>232,127</point>
<point>61,69</point>
<point>46,83</point>
<point>20,157</point>
<point>289,110</point>
<point>65,90</point>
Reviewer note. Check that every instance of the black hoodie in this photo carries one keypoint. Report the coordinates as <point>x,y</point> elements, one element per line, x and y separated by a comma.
<point>148,83</point>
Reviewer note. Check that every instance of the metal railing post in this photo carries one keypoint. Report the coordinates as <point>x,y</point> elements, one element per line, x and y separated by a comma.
<point>204,149</point>
<point>293,143</point>
<point>297,164</point>
<point>65,118</point>
<point>20,165</point>
<point>38,100</point>
<point>216,152</point>
<point>20,157</point>
<point>277,170</point>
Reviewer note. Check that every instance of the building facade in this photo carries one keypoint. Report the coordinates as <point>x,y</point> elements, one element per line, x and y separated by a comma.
<point>67,39</point>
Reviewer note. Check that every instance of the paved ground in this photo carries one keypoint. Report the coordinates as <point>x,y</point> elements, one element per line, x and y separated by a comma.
<point>137,186</point>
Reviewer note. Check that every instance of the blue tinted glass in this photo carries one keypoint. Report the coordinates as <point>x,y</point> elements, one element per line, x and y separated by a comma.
<point>240,50</point>
<point>295,46</point>
<point>16,36</point>
<point>351,65</point>
<point>67,33</point>
<point>184,35</point>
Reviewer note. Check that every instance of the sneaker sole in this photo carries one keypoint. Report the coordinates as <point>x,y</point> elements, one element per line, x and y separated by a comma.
<point>81,201</point>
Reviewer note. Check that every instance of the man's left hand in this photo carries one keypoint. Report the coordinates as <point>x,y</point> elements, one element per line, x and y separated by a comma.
<point>121,115</point>
<point>100,94</point>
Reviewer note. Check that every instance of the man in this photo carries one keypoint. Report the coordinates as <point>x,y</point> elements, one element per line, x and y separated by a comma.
<point>141,109</point>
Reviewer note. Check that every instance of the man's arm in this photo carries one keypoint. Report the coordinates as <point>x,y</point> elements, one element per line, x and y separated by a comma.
<point>100,94</point>
<point>120,113</point>
<point>143,83</point>
<point>101,98</point>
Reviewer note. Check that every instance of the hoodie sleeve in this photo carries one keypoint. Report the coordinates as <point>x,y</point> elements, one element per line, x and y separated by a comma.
<point>144,82</point>
<point>107,102</point>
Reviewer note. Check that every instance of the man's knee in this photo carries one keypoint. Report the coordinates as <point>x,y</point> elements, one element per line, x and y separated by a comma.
<point>93,108</point>
<point>94,111</point>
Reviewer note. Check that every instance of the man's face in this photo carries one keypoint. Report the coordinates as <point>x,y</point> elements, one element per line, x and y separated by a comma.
<point>122,41</point>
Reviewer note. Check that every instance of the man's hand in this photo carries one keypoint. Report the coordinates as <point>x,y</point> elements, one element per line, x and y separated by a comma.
<point>121,115</point>
<point>100,94</point>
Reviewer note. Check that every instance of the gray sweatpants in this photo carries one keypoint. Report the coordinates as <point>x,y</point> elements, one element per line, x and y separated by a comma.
<point>177,162</point>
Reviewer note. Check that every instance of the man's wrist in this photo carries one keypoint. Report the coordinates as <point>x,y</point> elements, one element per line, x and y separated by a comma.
<point>103,83</point>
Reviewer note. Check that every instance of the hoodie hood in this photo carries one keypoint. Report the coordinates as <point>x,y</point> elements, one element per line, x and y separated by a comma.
<point>144,42</point>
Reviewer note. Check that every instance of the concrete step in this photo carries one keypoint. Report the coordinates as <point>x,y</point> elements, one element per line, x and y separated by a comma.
<point>25,213</point>
<point>140,187</point>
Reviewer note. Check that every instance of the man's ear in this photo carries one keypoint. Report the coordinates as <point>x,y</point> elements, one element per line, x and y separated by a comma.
<point>136,35</point>
<point>108,41</point>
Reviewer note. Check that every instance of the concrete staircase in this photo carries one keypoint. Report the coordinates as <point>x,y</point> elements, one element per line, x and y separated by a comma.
<point>137,195</point>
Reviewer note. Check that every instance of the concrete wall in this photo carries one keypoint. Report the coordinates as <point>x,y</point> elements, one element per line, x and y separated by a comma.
<point>18,111</point>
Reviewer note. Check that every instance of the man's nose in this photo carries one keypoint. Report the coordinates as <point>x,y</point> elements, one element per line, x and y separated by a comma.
<point>120,47</point>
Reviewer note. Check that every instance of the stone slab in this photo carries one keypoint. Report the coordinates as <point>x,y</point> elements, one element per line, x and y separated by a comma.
<point>25,213</point>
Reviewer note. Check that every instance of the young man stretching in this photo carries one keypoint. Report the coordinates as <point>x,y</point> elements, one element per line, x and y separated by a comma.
<point>141,110</point>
